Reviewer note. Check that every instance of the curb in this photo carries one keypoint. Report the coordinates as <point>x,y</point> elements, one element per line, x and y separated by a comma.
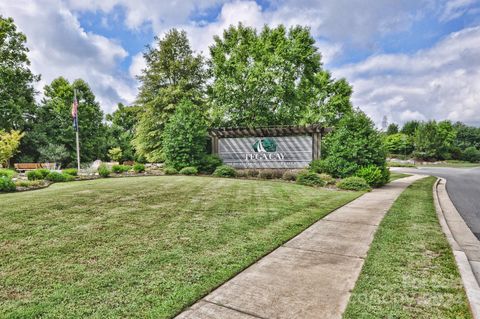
<point>456,230</point>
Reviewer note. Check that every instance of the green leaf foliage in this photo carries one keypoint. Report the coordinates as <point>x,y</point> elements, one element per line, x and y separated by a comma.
<point>354,143</point>
<point>139,168</point>
<point>185,136</point>
<point>309,178</point>
<point>398,143</point>
<point>6,184</point>
<point>170,171</point>
<point>353,183</point>
<point>209,163</point>
<point>434,140</point>
<point>103,170</point>
<point>225,171</point>
<point>375,176</point>
<point>274,77</point>
<point>17,103</point>
<point>53,128</point>
<point>173,73</point>
<point>189,170</point>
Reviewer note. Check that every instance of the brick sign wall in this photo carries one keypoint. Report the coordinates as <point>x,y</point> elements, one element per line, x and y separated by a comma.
<point>266,152</point>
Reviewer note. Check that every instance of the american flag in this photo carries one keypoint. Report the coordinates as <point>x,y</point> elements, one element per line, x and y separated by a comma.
<point>75,111</point>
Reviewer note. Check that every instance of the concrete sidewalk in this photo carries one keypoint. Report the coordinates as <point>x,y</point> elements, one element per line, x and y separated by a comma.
<point>312,275</point>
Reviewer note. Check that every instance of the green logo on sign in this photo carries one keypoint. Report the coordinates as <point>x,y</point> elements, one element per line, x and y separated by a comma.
<point>265,145</point>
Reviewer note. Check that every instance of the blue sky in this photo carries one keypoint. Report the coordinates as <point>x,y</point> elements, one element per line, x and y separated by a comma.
<point>405,59</point>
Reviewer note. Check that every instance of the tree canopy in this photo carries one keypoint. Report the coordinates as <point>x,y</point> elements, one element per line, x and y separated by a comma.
<point>173,73</point>
<point>274,77</point>
<point>54,121</point>
<point>17,104</point>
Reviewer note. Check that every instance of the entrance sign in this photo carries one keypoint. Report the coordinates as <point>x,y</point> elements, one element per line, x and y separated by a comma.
<point>266,152</point>
<point>272,147</point>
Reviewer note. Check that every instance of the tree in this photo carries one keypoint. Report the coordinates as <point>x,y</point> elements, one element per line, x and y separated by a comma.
<point>392,129</point>
<point>53,153</point>
<point>354,144</point>
<point>9,142</point>
<point>398,144</point>
<point>272,78</point>
<point>427,141</point>
<point>17,104</point>
<point>115,154</point>
<point>185,136</point>
<point>53,124</point>
<point>471,154</point>
<point>121,130</point>
<point>173,73</point>
<point>410,127</point>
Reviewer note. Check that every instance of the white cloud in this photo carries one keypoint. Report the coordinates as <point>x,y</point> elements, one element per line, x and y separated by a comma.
<point>455,8</point>
<point>441,82</point>
<point>60,47</point>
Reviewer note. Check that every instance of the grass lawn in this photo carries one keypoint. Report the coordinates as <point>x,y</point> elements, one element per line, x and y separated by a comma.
<point>452,164</point>
<point>143,247</point>
<point>395,175</point>
<point>410,270</point>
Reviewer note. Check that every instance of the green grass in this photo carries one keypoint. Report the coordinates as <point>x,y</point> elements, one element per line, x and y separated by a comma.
<point>410,270</point>
<point>395,175</point>
<point>452,164</point>
<point>142,247</point>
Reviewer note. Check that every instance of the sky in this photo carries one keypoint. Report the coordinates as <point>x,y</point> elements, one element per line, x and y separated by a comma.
<point>406,59</point>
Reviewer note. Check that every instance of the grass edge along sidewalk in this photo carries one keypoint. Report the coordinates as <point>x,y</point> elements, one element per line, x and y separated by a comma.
<point>410,270</point>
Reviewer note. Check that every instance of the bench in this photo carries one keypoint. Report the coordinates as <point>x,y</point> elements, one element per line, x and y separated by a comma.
<point>22,167</point>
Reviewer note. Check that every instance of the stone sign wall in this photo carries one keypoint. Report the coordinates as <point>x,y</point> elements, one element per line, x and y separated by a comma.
<point>266,152</point>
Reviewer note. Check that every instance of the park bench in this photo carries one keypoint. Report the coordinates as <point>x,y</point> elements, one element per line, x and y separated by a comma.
<point>22,167</point>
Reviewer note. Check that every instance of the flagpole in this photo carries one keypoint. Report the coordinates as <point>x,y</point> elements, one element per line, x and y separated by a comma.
<point>76,134</point>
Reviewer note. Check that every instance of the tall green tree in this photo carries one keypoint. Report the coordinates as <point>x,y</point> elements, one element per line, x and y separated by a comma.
<point>273,77</point>
<point>54,126</point>
<point>173,72</point>
<point>121,130</point>
<point>392,129</point>
<point>17,104</point>
<point>185,136</point>
<point>410,127</point>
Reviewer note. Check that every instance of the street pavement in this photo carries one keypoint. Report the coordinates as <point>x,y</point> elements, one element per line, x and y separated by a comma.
<point>463,187</point>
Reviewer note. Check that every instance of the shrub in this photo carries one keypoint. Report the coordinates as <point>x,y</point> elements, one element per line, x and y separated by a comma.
<point>353,183</point>
<point>70,171</point>
<point>170,171</point>
<point>28,183</point>
<point>68,178</point>
<point>354,143</point>
<point>266,174</point>
<point>6,184</point>
<point>7,172</point>
<point>103,170</point>
<point>189,170</point>
<point>117,169</point>
<point>37,174</point>
<point>372,175</point>
<point>329,180</point>
<point>471,154</point>
<point>139,168</point>
<point>209,163</point>
<point>317,166</point>
<point>242,173</point>
<point>290,175</point>
<point>252,172</point>
<point>57,177</point>
<point>225,171</point>
<point>309,178</point>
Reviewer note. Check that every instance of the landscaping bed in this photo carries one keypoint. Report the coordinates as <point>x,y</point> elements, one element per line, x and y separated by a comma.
<point>410,270</point>
<point>142,247</point>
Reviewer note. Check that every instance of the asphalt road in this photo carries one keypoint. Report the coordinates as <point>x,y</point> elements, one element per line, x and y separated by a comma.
<point>463,187</point>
